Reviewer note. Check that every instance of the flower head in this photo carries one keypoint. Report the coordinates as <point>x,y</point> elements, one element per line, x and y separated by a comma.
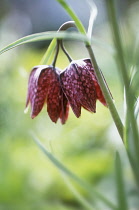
<point>77,85</point>
<point>44,87</point>
<point>81,86</point>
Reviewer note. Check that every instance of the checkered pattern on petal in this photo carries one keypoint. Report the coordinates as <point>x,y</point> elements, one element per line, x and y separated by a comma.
<point>38,86</point>
<point>54,98</point>
<point>99,93</point>
<point>78,87</point>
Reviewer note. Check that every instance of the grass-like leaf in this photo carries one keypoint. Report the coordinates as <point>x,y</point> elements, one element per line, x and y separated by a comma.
<point>73,176</point>
<point>79,197</point>
<point>45,36</point>
<point>136,112</point>
<point>93,14</point>
<point>48,53</point>
<point>121,194</point>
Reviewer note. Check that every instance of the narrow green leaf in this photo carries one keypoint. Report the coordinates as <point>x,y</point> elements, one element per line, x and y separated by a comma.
<point>48,53</point>
<point>121,194</point>
<point>71,175</point>
<point>81,199</point>
<point>45,36</point>
<point>136,112</point>
<point>93,14</point>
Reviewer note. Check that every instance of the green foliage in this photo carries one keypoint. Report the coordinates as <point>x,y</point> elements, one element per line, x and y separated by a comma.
<point>84,149</point>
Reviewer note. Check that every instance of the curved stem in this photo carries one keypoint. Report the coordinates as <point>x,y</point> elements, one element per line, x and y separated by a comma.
<point>65,51</point>
<point>56,54</point>
<point>67,25</point>
<point>64,27</point>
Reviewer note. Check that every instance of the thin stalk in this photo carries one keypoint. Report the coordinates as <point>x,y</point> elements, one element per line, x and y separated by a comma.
<point>106,93</point>
<point>120,185</point>
<point>65,51</point>
<point>49,52</point>
<point>64,27</point>
<point>53,43</point>
<point>56,54</point>
<point>67,25</point>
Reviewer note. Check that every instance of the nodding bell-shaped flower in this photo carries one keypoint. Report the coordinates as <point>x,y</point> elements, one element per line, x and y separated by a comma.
<point>77,85</point>
<point>81,86</point>
<point>44,87</point>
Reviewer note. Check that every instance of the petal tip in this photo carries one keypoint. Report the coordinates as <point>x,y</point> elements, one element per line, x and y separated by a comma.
<point>26,110</point>
<point>33,116</point>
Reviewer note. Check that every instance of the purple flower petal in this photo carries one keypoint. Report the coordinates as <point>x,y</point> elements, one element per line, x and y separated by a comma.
<point>54,98</point>
<point>78,86</point>
<point>38,86</point>
<point>64,109</point>
<point>99,93</point>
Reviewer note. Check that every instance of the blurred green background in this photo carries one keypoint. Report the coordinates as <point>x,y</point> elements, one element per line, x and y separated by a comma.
<point>28,180</point>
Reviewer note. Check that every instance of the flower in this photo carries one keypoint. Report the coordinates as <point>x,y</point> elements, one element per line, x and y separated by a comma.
<point>81,86</point>
<point>44,86</point>
<point>77,85</point>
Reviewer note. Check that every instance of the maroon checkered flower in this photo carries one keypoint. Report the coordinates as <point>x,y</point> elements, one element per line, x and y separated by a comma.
<point>77,85</point>
<point>81,86</point>
<point>44,86</point>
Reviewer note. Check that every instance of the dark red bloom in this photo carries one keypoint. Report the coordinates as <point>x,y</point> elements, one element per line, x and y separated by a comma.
<point>81,86</point>
<point>44,86</point>
<point>77,85</point>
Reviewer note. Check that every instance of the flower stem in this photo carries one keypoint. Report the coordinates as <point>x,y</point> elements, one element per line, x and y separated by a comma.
<point>65,51</point>
<point>106,92</point>
<point>56,54</point>
<point>63,27</point>
<point>67,25</point>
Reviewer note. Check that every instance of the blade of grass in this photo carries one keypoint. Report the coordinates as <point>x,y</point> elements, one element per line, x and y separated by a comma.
<point>136,108</point>
<point>121,194</point>
<point>50,35</point>
<point>71,175</point>
<point>81,199</point>
<point>45,36</point>
<point>93,14</point>
<point>48,53</point>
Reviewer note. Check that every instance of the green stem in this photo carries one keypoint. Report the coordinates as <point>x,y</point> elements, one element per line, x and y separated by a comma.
<point>64,27</point>
<point>106,93</point>
<point>53,43</point>
<point>65,51</point>
<point>67,25</point>
<point>56,54</point>
<point>49,52</point>
<point>74,17</point>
